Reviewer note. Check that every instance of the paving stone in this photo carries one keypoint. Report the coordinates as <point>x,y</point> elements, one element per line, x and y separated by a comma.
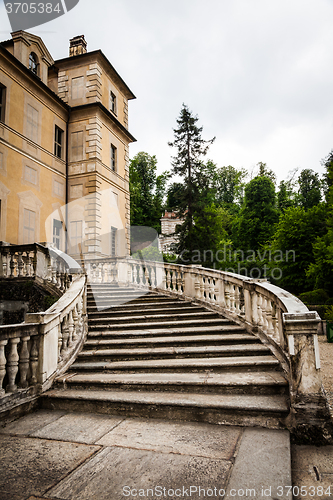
<point>304,458</point>
<point>105,476</point>
<point>202,440</point>
<point>262,464</point>
<point>31,422</point>
<point>32,466</point>
<point>78,427</point>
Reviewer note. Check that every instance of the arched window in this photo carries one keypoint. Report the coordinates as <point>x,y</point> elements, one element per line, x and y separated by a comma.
<point>33,63</point>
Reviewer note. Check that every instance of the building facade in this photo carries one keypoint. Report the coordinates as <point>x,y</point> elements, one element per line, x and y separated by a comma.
<point>168,237</point>
<point>64,149</point>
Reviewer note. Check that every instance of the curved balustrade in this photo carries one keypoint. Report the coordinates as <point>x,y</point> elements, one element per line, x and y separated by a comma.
<point>35,262</point>
<point>280,320</point>
<point>33,353</point>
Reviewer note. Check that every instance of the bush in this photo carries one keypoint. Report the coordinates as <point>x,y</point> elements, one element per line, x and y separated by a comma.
<point>316,297</point>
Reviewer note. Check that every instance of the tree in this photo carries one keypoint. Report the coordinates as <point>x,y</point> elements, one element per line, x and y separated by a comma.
<point>191,149</point>
<point>228,182</point>
<point>309,193</point>
<point>147,191</point>
<point>258,216</point>
<point>292,245</point>
<point>285,196</point>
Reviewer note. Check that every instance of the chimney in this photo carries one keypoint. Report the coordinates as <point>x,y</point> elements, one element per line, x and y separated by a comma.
<point>77,46</point>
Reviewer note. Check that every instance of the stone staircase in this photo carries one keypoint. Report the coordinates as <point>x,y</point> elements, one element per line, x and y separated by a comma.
<point>154,355</point>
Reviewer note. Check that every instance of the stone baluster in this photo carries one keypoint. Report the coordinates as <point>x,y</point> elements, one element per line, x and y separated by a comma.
<point>168,279</point>
<point>232,293</point>
<point>130,274</point>
<point>153,277</point>
<point>34,361</point>
<point>76,323</point>
<point>70,329</point>
<point>20,264</point>
<point>227,295</point>
<point>59,343</point>
<point>237,299</point>
<point>54,272</point>
<point>269,317</point>
<point>12,265</point>
<point>140,275</point>
<point>259,306</point>
<point>24,362</point>
<point>3,344</point>
<point>65,335</point>
<point>12,365</point>
<point>62,282</point>
<point>5,264</point>
<point>179,282</point>
<point>146,271</point>
<point>29,267</point>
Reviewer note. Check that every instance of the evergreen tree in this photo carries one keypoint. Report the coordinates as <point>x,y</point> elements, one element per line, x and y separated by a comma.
<point>191,149</point>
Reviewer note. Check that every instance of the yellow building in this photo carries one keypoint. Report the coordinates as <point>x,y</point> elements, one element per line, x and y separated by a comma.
<point>64,148</point>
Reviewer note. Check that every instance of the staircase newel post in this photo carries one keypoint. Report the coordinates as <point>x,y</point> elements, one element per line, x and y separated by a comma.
<point>309,410</point>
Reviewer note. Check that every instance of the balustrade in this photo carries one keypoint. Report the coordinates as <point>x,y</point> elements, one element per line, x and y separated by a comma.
<point>34,261</point>
<point>33,353</point>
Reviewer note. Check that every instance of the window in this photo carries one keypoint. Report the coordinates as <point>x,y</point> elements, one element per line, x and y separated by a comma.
<point>57,226</point>
<point>113,103</point>
<point>58,139</point>
<point>76,235</point>
<point>29,223</point>
<point>58,188</point>
<point>33,63</point>
<point>113,157</point>
<point>32,123</point>
<point>30,175</point>
<point>113,241</point>
<point>2,102</point>
<point>78,87</point>
<point>77,146</point>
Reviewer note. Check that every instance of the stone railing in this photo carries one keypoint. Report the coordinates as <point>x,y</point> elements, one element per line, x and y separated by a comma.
<point>35,262</point>
<point>277,317</point>
<point>33,353</point>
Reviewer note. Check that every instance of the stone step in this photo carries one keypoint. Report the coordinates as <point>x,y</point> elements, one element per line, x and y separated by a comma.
<point>110,301</point>
<point>207,382</point>
<point>264,410</point>
<point>157,324</point>
<point>143,332</point>
<point>161,318</point>
<point>140,306</point>
<point>132,310</point>
<point>127,354</point>
<point>181,365</point>
<point>195,340</point>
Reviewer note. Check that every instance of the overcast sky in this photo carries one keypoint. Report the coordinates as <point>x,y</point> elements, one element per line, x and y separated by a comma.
<point>258,73</point>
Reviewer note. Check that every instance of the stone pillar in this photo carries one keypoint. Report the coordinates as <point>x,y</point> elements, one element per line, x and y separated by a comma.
<point>309,418</point>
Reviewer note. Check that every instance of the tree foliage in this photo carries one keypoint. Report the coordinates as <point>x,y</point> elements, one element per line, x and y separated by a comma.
<point>147,191</point>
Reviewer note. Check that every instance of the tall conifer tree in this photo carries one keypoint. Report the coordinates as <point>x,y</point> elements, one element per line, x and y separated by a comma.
<point>188,164</point>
